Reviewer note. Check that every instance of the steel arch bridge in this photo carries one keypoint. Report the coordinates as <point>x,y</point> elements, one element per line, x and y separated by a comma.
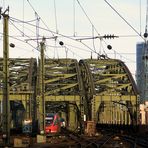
<point>101,89</point>
<point>22,83</point>
<point>110,92</point>
<point>62,86</point>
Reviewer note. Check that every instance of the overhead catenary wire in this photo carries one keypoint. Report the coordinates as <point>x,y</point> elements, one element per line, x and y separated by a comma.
<point>102,49</point>
<point>23,15</point>
<point>74,17</point>
<point>55,15</point>
<point>21,41</point>
<point>140,15</point>
<point>37,28</point>
<point>53,33</point>
<point>124,57</point>
<point>40,17</point>
<point>26,28</point>
<point>57,32</point>
<point>88,17</point>
<point>146,17</point>
<point>91,22</point>
<point>124,19</point>
<point>19,30</point>
<point>4,4</point>
<point>93,26</point>
<point>55,49</point>
<point>72,38</point>
<point>47,30</point>
<point>23,21</point>
<point>78,48</point>
<point>73,52</point>
<point>62,36</point>
<point>93,38</point>
<point>26,36</point>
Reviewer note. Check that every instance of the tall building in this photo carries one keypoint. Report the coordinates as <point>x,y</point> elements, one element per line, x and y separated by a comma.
<point>142,70</point>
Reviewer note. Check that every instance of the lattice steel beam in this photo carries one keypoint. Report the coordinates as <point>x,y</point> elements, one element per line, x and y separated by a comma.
<point>106,80</point>
<point>62,80</point>
<point>22,77</point>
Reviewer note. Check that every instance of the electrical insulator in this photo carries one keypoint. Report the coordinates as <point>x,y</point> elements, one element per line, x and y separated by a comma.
<point>61,43</point>
<point>145,35</point>
<point>12,45</point>
<point>109,47</point>
<point>109,36</point>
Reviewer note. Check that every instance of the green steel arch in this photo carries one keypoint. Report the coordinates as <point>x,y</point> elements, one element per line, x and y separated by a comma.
<point>22,83</point>
<point>62,86</point>
<point>110,91</point>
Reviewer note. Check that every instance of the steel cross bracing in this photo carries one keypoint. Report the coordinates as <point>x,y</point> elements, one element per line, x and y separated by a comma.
<point>62,84</point>
<point>103,90</point>
<point>110,91</point>
<point>61,77</point>
<point>22,77</point>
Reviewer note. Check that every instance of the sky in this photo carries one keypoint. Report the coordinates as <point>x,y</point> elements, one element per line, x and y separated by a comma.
<point>72,20</point>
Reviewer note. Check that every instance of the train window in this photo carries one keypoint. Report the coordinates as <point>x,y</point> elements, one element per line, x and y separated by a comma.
<point>49,120</point>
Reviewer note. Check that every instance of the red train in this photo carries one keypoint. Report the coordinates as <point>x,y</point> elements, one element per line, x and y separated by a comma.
<point>53,124</point>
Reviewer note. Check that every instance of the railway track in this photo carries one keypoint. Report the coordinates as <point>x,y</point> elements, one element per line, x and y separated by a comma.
<point>102,140</point>
<point>135,141</point>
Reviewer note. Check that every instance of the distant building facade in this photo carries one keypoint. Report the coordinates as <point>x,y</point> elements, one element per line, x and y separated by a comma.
<point>142,71</point>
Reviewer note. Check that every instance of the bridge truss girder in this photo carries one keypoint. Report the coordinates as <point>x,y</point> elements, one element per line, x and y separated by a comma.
<point>110,88</point>
<point>75,108</point>
<point>22,81</point>
<point>62,83</point>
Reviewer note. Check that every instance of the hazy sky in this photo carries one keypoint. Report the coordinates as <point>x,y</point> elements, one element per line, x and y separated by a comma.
<point>68,17</point>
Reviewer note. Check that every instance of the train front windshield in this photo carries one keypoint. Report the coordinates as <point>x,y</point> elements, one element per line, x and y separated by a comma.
<point>49,119</point>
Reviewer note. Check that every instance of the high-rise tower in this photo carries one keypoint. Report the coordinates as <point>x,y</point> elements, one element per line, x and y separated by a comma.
<point>142,70</point>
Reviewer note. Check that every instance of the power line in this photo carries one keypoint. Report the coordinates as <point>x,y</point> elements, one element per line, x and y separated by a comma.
<point>93,38</point>
<point>20,30</point>
<point>29,21</point>
<point>93,26</point>
<point>87,16</point>
<point>40,17</point>
<point>21,41</point>
<point>37,28</point>
<point>146,17</point>
<point>74,53</point>
<point>66,36</point>
<point>47,26</point>
<point>79,42</point>
<point>55,15</point>
<point>23,14</point>
<point>127,36</point>
<point>124,19</point>
<point>24,27</point>
<point>24,35</point>
<point>140,15</point>
<point>74,17</point>
<point>24,42</point>
<point>77,48</point>
<point>55,33</point>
